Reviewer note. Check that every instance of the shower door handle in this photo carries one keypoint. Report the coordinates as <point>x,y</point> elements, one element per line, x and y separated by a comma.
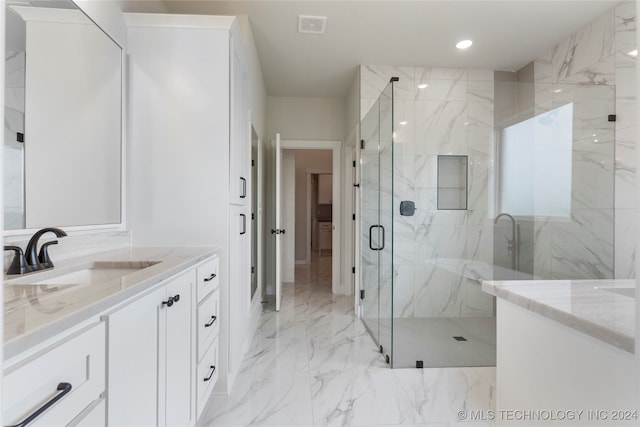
<point>370,239</point>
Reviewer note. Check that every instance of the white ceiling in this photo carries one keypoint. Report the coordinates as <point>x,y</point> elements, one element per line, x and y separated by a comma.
<point>507,35</point>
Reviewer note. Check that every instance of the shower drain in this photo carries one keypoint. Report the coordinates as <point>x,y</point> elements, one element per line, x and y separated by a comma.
<point>459,338</point>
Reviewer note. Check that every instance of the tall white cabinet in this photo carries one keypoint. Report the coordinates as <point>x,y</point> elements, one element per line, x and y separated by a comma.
<point>189,153</point>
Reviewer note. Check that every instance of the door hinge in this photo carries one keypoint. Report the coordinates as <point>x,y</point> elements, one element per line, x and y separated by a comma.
<point>20,137</point>
<point>361,293</point>
<point>253,216</point>
<point>354,163</point>
<point>354,217</point>
<point>612,117</point>
<point>353,270</point>
<point>253,269</point>
<point>253,162</point>
<point>362,144</point>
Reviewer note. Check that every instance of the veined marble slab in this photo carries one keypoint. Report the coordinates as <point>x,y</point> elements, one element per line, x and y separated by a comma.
<point>588,306</point>
<point>33,313</point>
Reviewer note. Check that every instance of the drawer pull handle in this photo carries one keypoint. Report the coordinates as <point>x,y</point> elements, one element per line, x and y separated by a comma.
<point>63,388</point>
<point>171,300</point>
<point>210,278</point>
<point>213,369</point>
<point>213,319</point>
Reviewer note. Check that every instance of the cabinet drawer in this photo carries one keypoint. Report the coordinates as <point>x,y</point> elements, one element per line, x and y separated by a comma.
<point>78,361</point>
<point>208,322</point>
<point>207,376</point>
<point>208,278</point>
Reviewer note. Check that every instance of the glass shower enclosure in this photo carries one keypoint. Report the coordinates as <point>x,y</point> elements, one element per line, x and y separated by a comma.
<point>527,195</point>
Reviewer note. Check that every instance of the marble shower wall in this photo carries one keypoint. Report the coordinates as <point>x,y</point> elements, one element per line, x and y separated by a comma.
<point>590,246</point>
<point>439,256</point>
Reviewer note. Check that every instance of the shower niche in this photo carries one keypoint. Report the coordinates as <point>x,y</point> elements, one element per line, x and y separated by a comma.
<point>452,182</point>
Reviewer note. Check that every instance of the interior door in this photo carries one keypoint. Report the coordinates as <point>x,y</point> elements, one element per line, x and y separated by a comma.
<point>278,229</point>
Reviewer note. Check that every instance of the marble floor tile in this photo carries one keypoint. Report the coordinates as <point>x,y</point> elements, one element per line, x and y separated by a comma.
<point>440,394</point>
<point>360,397</point>
<point>265,398</point>
<point>315,364</point>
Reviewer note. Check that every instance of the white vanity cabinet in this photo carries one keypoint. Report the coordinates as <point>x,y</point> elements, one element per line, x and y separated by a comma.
<point>239,148</point>
<point>240,282</point>
<point>189,136</point>
<point>72,372</point>
<point>150,357</point>
<point>207,330</point>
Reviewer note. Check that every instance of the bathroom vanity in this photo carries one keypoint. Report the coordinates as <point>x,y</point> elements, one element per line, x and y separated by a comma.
<point>563,347</point>
<point>149,317</point>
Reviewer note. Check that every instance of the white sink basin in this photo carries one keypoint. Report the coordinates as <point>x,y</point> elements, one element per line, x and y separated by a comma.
<point>96,272</point>
<point>627,292</point>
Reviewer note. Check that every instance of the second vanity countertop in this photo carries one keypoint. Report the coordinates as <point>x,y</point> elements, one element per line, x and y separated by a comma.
<point>33,313</point>
<point>602,309</point>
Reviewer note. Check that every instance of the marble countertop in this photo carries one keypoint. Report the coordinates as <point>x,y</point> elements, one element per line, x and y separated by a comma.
<point>598,308</point>
<point>33,313</point>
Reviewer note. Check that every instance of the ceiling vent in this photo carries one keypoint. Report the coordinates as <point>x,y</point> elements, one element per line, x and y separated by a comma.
<point>312,24</point>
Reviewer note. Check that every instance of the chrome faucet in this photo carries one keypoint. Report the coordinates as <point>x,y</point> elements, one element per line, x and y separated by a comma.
<point>513,245</point>
<point>41,261</point>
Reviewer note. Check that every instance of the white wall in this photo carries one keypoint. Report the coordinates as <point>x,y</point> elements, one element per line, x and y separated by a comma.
<point>353,109</point>
<point>306,118</point>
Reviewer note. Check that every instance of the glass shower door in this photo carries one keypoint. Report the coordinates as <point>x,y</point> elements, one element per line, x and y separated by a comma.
<point>377,220</point>
<point>369,195</point>
<point>385,223</point>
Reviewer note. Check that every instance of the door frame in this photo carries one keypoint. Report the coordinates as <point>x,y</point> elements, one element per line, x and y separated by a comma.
<point>336,238</point>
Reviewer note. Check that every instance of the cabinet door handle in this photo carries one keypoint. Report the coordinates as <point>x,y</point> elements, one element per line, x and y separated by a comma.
<point>244,224</point>
<point>176,298</point>
<point>63,388</point>
<point>244,188</point>
<point>168,302</point>
<point>213,369</point>
<point>210,278</point>
<point>213,320</point>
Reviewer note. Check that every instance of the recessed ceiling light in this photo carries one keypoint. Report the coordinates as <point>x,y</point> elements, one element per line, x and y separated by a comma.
<point>464,44</point>
<point>557,90</point>
<point>633,53</point>
<point>312,24</point>
<point>403,123</point>
<point>423,86</point>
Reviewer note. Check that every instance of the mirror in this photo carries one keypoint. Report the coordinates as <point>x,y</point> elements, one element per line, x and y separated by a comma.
<point>63,121</point>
